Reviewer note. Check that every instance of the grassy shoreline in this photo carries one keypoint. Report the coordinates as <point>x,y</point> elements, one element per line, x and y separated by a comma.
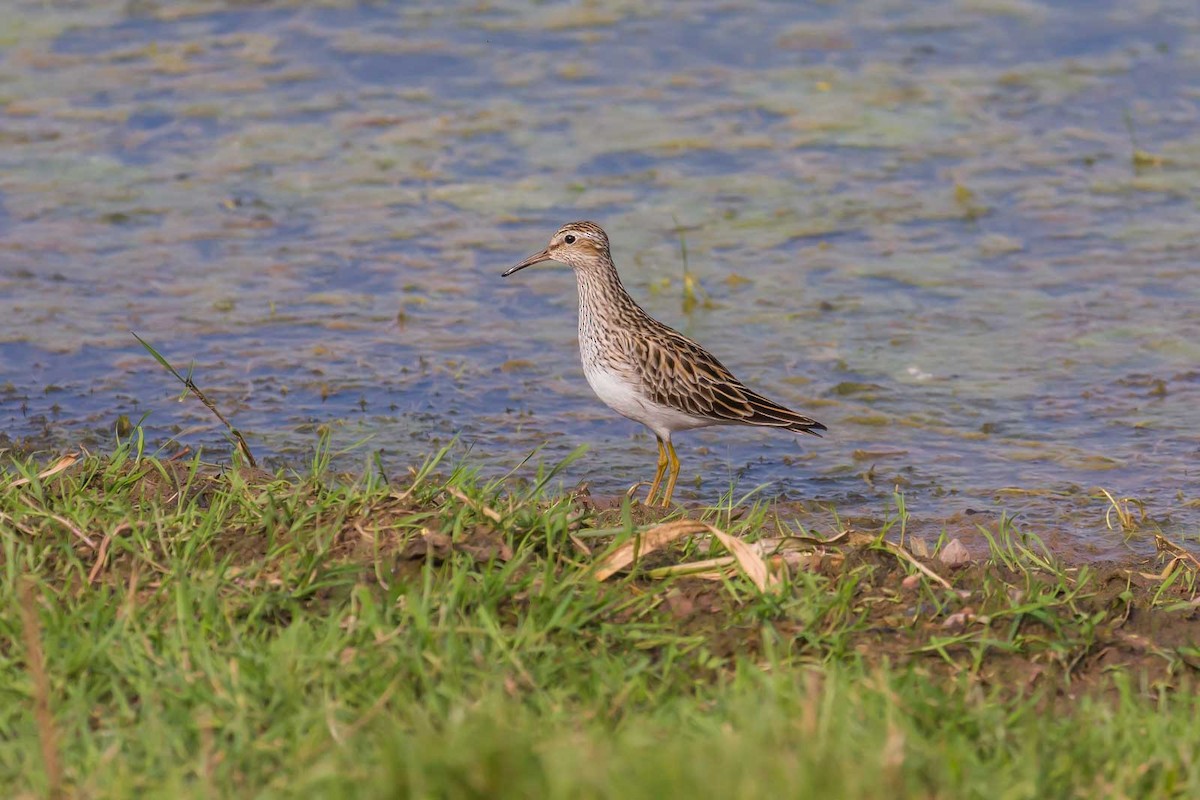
<point>226,632</point>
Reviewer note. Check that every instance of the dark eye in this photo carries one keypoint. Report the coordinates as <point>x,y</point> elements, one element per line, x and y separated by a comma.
<point>569,238</point>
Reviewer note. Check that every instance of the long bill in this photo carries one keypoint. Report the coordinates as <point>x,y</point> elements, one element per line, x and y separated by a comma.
<point>536,258</point>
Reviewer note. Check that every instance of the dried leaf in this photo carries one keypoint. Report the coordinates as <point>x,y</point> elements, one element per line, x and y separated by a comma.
<point>53,469</point>
<point>643,544</point>
<point>750,562</point>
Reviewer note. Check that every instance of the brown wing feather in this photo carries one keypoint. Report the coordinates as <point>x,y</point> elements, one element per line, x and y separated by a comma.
<point>681,374</point>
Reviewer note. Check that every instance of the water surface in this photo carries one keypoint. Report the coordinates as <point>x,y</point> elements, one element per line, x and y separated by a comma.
<point>961,234</point>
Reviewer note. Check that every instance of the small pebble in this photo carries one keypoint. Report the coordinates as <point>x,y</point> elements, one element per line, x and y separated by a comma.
<point>959,620</point>
<point>954,554</point>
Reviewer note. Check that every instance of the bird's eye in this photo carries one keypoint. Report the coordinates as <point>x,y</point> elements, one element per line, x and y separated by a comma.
<point>569,238</point>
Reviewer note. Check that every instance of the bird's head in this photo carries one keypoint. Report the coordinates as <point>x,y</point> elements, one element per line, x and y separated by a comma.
<point>578,245</point>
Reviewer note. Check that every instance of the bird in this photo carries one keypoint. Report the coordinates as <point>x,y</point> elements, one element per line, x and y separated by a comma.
<point>645,370</point>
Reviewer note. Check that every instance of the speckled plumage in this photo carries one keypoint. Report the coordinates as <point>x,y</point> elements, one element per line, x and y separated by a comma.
<point>645,370</point>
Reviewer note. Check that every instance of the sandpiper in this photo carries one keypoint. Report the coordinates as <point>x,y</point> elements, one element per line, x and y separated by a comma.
<point>646,371</point>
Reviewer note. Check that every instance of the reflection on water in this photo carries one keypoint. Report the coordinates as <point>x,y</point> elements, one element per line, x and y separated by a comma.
<point>961,234</point>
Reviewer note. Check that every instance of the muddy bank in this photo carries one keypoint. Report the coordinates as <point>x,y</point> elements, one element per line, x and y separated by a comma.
<point>1004,609</point>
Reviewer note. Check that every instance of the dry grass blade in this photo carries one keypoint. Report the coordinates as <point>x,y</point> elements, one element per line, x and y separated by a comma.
<point>580,545</point>
<point>816,541</point>
<point>724,567</point>
<point>53,469</point>
<point>60,519</point>
<point>904,555</point>
<point>1166,571</point>
<point>75,531</point>
<point>1165,545</point>
<point>102,554</point>
<point>35,662</point>
<point>771,545</point>
<point>633,490</point>
<point>482,508</point>
<point>1120,508</point>
<point>8,519</point>
<point>715,575</point>
<point>716,567</point>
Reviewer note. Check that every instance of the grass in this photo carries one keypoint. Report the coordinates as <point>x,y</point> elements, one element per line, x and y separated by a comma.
<point>221,632</point>
<point>693,293</point>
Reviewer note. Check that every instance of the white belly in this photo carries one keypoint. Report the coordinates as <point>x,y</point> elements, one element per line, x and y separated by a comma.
<point>626,399</point>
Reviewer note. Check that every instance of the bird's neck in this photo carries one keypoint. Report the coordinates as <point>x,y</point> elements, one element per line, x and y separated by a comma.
<point>603,301</point>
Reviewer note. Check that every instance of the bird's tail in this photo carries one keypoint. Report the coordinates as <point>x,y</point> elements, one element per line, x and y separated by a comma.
<point>769,413</point>
<point>809,426</point>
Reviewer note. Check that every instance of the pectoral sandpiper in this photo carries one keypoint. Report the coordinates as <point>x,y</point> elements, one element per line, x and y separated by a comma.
<point>646,371</point>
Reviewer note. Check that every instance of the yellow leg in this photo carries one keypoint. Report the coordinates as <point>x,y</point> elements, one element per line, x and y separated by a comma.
<point>662,467</point>
<point>674,473</point>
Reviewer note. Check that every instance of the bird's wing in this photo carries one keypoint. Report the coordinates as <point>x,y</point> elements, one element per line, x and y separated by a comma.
<point>679,373</point>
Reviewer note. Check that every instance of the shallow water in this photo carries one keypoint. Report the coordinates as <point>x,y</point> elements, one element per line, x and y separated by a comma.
<point>924,224</point>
